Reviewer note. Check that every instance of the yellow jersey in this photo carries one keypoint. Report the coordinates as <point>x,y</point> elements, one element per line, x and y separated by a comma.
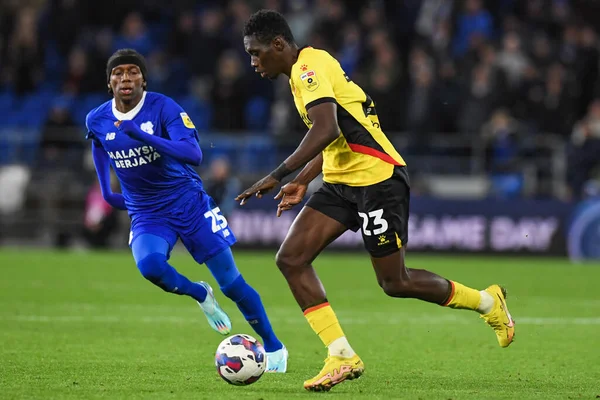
<point>362,155</point>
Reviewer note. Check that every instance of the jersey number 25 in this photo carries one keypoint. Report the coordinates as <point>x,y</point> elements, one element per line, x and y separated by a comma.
<point>218,221</point>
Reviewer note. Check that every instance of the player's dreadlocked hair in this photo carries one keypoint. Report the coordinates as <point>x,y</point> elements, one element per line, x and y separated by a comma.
<point>266,25</point>
<point>126,56</point>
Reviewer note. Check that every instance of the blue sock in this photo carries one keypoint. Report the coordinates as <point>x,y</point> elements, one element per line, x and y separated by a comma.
<point>234,286</point>
<point>155,268</point>
<point>250,304</point>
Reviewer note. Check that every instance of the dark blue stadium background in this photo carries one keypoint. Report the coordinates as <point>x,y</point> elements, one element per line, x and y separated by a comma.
<point>495,100</point>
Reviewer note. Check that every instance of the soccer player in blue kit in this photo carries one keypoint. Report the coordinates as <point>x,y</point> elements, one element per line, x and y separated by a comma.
<point>151,143</point>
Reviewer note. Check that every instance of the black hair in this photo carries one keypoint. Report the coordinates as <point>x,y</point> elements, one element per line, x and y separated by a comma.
<point>126,56</point>
<point>266,25</point>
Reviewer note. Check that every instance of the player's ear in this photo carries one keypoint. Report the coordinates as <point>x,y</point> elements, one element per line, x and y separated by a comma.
<point>278,43</point>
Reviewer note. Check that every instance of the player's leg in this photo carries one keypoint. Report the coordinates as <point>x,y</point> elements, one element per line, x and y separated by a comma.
<point>325,218</point>
<point>151,253</point>
<point>399,281</point>
<point>208,240</point>
<point>234,286</point>
<point>384,207</point>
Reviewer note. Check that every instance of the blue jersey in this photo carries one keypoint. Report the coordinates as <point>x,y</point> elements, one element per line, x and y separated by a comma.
<point>150,181</point>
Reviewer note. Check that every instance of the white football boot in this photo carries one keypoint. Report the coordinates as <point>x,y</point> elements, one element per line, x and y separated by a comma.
<point>217,318</point>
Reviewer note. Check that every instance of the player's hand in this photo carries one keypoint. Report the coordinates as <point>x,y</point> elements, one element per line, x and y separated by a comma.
<point>290,195</point>
<point>258,189</point>
<point>130,128</point>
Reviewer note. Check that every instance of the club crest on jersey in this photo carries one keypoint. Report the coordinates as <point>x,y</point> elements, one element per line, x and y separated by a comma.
<point>147,127</point>
<point>309,80</point>
<point>187,121</point>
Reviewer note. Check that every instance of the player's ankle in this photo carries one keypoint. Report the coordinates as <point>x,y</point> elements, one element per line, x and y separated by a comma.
<point>200,293</point>
<point>487,302</point>
<point>341,348</point>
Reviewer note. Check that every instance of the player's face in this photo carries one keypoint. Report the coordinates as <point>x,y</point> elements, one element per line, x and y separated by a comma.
<point>127,82</point>
<point>264,58</point>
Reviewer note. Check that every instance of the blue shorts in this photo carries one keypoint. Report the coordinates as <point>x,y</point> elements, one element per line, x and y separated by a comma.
<point>197,222</point>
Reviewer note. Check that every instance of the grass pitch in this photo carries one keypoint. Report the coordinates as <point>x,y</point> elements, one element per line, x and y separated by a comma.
<point>87,325</point>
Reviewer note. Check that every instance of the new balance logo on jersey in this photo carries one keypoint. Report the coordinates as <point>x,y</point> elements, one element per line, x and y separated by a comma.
<point>134,157</point>
<point>110,136</point>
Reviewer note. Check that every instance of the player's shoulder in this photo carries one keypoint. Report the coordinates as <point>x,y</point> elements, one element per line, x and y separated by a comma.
<point>312,59</point>
<point>169,108</point>
<point>98,113</point>
<point>159,100</point>
<point>309,53</point>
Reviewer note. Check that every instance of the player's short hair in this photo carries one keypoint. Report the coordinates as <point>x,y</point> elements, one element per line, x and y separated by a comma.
<point>126,56</point>
<point>266,25</point>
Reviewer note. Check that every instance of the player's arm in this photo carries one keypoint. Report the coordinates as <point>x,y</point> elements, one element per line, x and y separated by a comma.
<point>102,164</point>
<point>310,171</point>
<point>318,95</point>
<point>293,193</point>
<point>180,146</point>
<point>323,131</point>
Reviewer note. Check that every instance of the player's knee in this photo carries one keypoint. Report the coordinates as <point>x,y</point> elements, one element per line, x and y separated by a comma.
<point>287,262</point>
<point>152,266</point>
<point>395,287</point>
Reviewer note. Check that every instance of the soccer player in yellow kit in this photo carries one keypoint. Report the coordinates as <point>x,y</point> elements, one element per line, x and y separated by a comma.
<point>365,187</point>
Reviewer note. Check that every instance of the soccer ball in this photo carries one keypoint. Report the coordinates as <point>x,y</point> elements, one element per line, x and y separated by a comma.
<point>240,360</point>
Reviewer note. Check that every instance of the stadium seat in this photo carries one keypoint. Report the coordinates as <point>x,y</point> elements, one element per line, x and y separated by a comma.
<point>13,183</point>
<point>33,109</point>
<point>216,145</point>
<point>159,34</point>
<point>18,144</point>
<point>85,104</point>
<point>53,64</point>
<point>507,185</point>
<point>179,78</point>
<point>7,145</point>
<point>258,153</point>
<point>30,144</point>
<point>258,110</point>
<point>7,100</point>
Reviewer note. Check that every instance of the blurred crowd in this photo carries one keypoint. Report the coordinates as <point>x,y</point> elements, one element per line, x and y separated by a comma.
<point>509,73</point>
<point>456,61</point>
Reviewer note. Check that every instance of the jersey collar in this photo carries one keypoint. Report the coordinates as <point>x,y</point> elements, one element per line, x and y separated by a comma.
<point>302,48</point>
<point>129,114</point>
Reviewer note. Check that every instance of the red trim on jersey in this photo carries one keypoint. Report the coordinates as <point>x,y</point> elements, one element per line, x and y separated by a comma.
<point>359,148</point>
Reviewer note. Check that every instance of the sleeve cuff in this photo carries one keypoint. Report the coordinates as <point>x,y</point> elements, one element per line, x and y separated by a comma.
<point>319,101</point>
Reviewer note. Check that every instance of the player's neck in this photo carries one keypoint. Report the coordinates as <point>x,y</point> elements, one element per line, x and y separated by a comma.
<point>126,106</point>
<point>294,53</point>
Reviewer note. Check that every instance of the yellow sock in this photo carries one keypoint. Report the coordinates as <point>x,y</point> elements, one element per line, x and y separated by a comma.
<point>323,321</point>
<point>463,297</point>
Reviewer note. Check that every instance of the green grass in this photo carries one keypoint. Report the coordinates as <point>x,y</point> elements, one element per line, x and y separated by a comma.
<point>86,325</point>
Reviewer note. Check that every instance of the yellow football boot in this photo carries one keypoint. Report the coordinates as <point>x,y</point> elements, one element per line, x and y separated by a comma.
<point>499,318</point>
<point>336,370</point>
